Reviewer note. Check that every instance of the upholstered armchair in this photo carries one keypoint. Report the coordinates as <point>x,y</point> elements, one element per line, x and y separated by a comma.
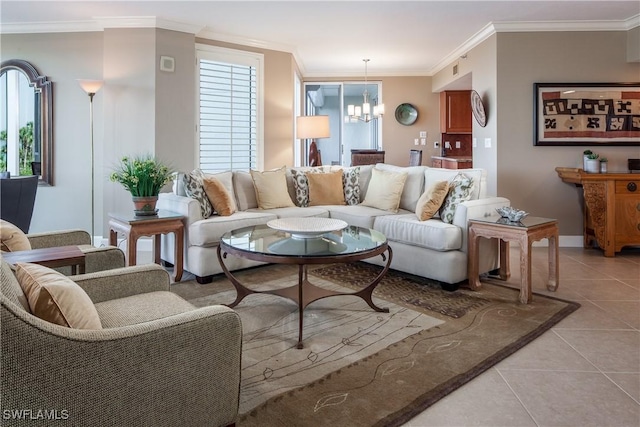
<point>96,258</point>
<point>157,361</point>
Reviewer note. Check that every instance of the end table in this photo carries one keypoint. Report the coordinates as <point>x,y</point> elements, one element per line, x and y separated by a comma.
<point>525,232</point>
<point>133,227</point>
<point>59,256</point>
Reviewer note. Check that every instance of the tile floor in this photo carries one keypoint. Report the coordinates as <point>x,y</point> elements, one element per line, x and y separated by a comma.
<point>583,372</point>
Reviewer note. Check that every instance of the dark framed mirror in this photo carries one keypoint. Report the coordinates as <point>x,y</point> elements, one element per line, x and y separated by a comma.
<point>26,121</point>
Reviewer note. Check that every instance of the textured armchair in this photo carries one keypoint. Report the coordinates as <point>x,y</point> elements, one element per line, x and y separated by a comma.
<point>158,361</point>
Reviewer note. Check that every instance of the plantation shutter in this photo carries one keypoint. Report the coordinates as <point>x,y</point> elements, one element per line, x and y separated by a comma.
<point>228,119</point>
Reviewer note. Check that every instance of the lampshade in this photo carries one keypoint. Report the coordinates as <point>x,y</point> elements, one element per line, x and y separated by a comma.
<point>90,86</point>
<point>312,127</point>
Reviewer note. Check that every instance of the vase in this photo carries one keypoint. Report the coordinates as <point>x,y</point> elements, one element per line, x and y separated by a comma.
<point>593,166</point>
<point>145,206</point>
<point>603,167</point>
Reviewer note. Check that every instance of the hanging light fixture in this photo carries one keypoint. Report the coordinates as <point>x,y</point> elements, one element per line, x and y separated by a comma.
<point>363,113</point>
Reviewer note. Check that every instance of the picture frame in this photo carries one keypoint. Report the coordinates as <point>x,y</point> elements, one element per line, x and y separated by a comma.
<point>589,114</point>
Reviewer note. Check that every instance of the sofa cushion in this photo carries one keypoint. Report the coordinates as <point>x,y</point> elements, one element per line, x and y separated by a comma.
<point>431,234</point>
<point>413,186</point>
<point>194,187</point>
<point>478,175</point>
<point>136,309</point>
<point>359,215</point>
<point>460,190</point>
<point>300,184</point>
<point>207,232</point>
<point>11,289</point>
<point>313,211</point>
<point>385,190</point>
<point>271,188</point>
<point>245,191</point>
<point>12,238</point>
<point>326,188</point>
<point>55,298</point>
<point>221,199</point>
<point>351,185</point>
<point>431,200</point>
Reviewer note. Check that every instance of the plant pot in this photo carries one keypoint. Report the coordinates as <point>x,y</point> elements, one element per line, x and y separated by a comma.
<point>592,166</point>
<point>603,167</point>
<point>145,206</point>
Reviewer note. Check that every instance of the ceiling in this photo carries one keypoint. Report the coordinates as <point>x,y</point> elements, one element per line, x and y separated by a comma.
<point>330,38</point>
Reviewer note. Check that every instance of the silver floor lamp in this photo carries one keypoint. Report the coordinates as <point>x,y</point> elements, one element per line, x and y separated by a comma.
<point>91,87</point>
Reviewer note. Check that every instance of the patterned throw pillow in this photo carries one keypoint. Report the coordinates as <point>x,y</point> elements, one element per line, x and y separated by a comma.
<point>351,185</point>
<point>301,185</point>
<point>459,191</point>
<point>194,187</point>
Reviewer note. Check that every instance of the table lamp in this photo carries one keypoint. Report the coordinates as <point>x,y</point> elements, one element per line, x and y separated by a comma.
<point>311,127</point>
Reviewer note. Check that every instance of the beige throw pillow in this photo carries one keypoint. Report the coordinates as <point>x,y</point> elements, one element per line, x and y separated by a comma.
<point>431,200</point>
<point>56,298</point>
<point>218,195</point>
<point>12,238</point>
<point>271,189</point>
<point>325,188</point>
<point>385,189</point>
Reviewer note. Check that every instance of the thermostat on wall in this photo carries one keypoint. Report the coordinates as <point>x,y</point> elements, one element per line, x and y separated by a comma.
<point>167,63</point>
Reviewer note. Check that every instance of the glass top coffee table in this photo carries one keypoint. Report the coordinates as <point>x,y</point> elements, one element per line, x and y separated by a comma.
<point>262,243</point>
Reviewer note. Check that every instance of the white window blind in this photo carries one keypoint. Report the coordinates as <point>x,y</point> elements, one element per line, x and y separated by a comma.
<point>229,122</point>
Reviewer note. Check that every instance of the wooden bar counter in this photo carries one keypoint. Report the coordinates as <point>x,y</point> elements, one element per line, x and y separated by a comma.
<point>612,207</point>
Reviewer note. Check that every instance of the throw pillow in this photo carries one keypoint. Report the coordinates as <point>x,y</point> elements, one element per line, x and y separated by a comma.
<point>194,187</point>
<point>12,238</point>
<point>218,196</point>
<point>325,188</point>
<point>56,298</point>
<point>271,188</point>
<point>301,185</point>
<point>385,189</point>
<point>459,191</point>
<point>431,200</point>
<point>351,185</point>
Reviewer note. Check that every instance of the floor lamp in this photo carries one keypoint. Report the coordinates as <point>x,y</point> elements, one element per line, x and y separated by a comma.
<point>91,87</point>
<point>313,127</point>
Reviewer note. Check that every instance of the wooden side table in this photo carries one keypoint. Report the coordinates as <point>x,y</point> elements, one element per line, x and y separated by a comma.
<point>133,227</point>
<point>529,230</point>
<point>60,256</point>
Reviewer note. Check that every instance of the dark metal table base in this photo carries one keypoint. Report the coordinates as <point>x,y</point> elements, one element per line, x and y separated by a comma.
<point>305,292</point>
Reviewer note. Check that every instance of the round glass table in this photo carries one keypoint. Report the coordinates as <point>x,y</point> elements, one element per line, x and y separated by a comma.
<point>264,244</point>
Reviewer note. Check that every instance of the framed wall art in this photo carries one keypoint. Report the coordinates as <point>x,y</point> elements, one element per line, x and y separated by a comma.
<point>586,114</point>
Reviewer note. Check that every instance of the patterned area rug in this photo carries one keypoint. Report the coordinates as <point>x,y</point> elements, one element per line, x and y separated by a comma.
<point>364,368</point>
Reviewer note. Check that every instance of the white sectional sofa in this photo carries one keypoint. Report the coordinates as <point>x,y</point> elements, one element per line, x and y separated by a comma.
<point>433,249</point>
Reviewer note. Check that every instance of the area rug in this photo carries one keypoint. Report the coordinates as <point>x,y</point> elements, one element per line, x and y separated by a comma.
<point>360,367</point>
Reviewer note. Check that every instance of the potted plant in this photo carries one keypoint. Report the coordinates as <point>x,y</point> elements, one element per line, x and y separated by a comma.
<point>585,155</point>
<point>143,177</point>
<point>593,163</point>
<point>603,164</point>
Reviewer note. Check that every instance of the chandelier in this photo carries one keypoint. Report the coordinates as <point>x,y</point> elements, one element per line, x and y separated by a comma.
<point>363,113</point>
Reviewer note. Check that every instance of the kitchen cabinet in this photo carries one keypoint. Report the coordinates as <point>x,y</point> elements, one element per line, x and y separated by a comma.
<point>455,111</point>
<point>451,162</point>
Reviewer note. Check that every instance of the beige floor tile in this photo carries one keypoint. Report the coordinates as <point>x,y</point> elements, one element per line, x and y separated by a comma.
<point>573,399</point>
<point>548,352</point>
<point>485,401</point>
<point>632,282</point>
<point>630,383</point>
<point>608,350</point>
<point>604,290</point>
<point>593,316</point>
<point>625,311</point>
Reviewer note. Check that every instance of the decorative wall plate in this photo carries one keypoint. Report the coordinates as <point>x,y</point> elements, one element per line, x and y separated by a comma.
<point>478,109</point>
<point>406,114</point>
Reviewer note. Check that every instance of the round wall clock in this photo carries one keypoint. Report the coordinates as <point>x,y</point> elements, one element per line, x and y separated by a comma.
<point>478,109</point>
<point>406,114</point>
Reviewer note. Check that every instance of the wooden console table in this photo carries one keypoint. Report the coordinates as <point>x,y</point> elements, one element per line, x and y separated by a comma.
<point>134,227</point>
<point>60,256</point>
<point>612,208</point>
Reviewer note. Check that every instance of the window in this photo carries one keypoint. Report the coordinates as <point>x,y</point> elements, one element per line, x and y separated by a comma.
<point>230,132</point>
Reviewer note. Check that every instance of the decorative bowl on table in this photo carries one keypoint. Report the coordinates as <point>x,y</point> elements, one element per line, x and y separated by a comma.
<point>512,214</point>
<point>307,228</point>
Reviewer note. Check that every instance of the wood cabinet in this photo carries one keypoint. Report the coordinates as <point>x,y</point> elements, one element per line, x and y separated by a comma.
<point>612,208</point>
<point>455,111</point>
<point>451,163</point>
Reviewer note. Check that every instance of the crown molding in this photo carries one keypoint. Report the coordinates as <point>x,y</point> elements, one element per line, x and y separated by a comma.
<point>146,22</point>
<point>49,27</point>
<point>473,41</point>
